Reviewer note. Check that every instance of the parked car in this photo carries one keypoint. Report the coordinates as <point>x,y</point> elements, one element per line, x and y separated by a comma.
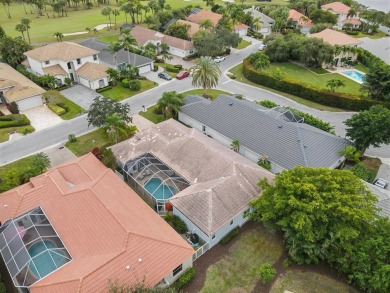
<point>164,75</point>
<point>262,47</point>
<point>382,183</point>
<point>182,74</point>
<point>219,59</point>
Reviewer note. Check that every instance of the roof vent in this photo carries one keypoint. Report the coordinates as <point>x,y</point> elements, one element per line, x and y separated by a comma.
<point>230,104</point>
<point>280,126</point>
<point>140,260</point>
<point>128,268</point>
<point>305,146</point>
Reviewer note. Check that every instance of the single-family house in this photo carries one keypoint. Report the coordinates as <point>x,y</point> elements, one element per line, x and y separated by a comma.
<point>206,184</point>
<point>192,29</point>
<point>300,21</point>
<point>336,38</point>
<point>66,60</point>
<point>276,134</point>
<point>341,10</point>
<point>121,59</point>
<point>265,22</point>
<point>78,227</point>
<point>15,87</point>
<point>177,47</point>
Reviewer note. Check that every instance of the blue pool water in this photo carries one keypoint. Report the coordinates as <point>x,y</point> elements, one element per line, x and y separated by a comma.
<point>355,75</point>
<point>158,190</point>
<point>44,263</point>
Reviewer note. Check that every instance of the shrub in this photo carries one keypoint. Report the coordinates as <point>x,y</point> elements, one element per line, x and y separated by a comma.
<point>125,83</point>
<point>135,85</point>
<point>27,130</point>
<point>103,89</point>
<point>313,121</point>
<point>178,66</point>
<point>62,105</point>
<point>72,138</point>
<point>239,96</point>
<point>2,288</point>
<point>108,158</point>
<point>172,69</point>
<point>57,109</point>
<point>228,51</point>
<point>363,173</point>
<point>368,59</point>
<point>229,236</point>
<point>13,120</point>
<point>286,263</point>
<point>267,272</point>
<point>184,279</point>
<point>140,77</point>
<point>231,75</point>
<point>158,60</point>
<point>155,68</point>
<point>13,108</point>
<point>353,33</point>
<point>267,103</point>
<point>177,223</point>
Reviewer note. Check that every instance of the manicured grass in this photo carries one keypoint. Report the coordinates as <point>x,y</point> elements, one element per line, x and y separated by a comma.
<point>74,109</point>
<point>295,280</point>
<point>109,38</point>
<point>243,44</point>
<point>118,92</point>
<point>87,142</point>
<point>319,70</point>
<point>304,75</point>
<point>240,267</point>
<point>19,165</point>
<point>213,93</point>
<point>372,164</point>
<point>362,68</point>
<point>237,71</point>
<point>4,132</point>
<point>151,116</point>
<point>378,35</point>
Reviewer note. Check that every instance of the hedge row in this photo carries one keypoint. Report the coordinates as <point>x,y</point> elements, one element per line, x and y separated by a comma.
<point>177,223</point>
<point>172,69</point>
<point>320,96</point>
<point>13,120</point>
<point>229,236</point>
<point>56,109</point>
<point>103,89</point>
<point>184,279</point>
<point>368,59</point>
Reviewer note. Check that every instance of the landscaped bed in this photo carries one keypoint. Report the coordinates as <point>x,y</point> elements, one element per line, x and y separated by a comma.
<point>14,123</point>
<point>151,115</point>
<point>119,92</point>
<point>87,142</point>
<point>60,105</point>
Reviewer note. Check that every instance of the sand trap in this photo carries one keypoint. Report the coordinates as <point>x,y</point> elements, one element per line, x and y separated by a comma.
<point>98,27</point>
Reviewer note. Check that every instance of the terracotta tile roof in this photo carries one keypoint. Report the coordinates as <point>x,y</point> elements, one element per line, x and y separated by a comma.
<point>222,181</point>
<point>104,225</point>
<point>240,26</point>
<point>204,14</point>
<point>353,21</point>
<point>15,85</point>
<point>92,71</point>
<point>193,29</point>
<point>54,70</point>
<point>26,63</point>
<point>336,38</point>
<point>65,51</point>
<point>337,7</point>
<point>178,43</point>
<point>298,17</point>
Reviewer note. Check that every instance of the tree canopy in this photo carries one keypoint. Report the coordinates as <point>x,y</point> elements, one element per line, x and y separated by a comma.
<point>170,103</point>
<point>205,73</point>
<point>377,82</point>
<point>323,16</point>
<point>12,50</point>
<point>178,30</point>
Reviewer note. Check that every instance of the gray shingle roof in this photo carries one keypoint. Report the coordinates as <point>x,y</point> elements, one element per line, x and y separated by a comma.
<point>383,199</point>
<point>267,21</point>
<point>285,143</point>
<point>121,57</point>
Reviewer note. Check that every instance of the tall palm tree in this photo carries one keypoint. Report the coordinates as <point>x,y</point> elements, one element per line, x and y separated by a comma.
<point>333,84</point>
<point>206,24</point>
<point>113,75</point>
<point>235,145</point>
<point>95,31</point>
<point>26,22</point>
<point>21,28</point>
<point>205,73</point>
<point>257,23</point>
<point>170,103</point>
<point>115,126</point>
<point>114,48</point>
<point>88,30</point>
<point>115,12</point>
<point>59,36</point>
<point>41,162</point>
<point>128,41</point>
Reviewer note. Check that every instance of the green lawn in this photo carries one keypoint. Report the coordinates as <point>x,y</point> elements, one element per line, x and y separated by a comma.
<point>237,71</point>
<point>319,70</point>
<point>214,93</point>
<point>118,92</point>
<point>4,132</point>
<point>21,164</point>
<point>109,38</point>
<point>304,75</point>
<point>150,115</point>
<point>87,142</point>
<point>74,109</point>
<point>362,68</point>
<point>378,35</point>
<point>240,267</point>
<point>243,44</point>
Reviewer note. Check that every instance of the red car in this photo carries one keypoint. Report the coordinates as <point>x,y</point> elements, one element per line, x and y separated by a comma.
<point>182,74</point>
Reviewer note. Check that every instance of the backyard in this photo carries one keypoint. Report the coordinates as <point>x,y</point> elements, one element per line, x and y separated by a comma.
<point>119,92</point>
<point>87,142</point>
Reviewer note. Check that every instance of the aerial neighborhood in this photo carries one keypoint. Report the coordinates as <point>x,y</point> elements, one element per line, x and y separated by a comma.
<point>167,146</point>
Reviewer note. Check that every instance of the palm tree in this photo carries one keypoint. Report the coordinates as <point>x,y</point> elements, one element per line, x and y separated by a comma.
<point>106,11</point>
<point>26,22</point>
<point>41,161</point>
<point>116,13</point>
<point>164,51</point>
<point>49,80</point>
<point>262,61</point>
<point>21,28</point>
<point>95,31</point>
<point>235,145</point>
<point>128,41</point>
<point>113,75</point>
<point>115,126</point>
<point>114,48</point>
<point>333,84</point>
<point>205,73</point>
<point>206,24</point>
<point>351,13</point>
<point>170,103</point>
<point>257,21</point>
<point>88,29</point>
<point>59,36</point>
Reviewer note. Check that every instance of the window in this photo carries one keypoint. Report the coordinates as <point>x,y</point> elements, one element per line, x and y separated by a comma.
<point>95,57</point>
<point>177,270</point>
<point>203,128</point>
<point>69,65</point>
<point>79,61</point>
<point>47,62</point>
<point>231,222</point>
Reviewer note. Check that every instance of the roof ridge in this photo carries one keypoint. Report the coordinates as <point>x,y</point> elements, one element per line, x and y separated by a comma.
<point>301,144</point>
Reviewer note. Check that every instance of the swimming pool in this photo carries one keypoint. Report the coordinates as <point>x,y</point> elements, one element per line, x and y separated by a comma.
<point>158,190</point>
<point>355,75</point>
<point>44,262</point>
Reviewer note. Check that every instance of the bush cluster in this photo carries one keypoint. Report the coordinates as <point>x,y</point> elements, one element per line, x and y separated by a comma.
<point>229,236</point>
<point>184,279</point>
<point>171,68</point>
<point>103,89</point>
<point>155,68</point>
<point>56,109</point>
<point>134,85</point>
<point>13,120</point>
<point>368,59</point>
<point>177,223</point>
<point>352,33</point>
<point>363,173</point>
<point>178,66</point>
<point>267,272</point>
<point>324,97</point>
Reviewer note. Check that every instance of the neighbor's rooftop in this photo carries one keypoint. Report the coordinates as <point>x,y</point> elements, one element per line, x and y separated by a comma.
<point>337,7</point>
<point>333,38</point>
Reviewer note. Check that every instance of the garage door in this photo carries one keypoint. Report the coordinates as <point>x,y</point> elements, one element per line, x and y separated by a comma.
<point>30,103</point>
<point>145,68</point>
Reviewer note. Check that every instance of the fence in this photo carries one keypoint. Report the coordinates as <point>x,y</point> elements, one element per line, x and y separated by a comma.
<point>200,251</point>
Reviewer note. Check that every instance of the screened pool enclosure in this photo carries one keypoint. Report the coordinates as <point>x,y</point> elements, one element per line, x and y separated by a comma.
<point>31,248</point>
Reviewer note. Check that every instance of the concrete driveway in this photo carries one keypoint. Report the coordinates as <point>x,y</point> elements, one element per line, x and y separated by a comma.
<point>42,117</point>
<point>81,95</point>
<point>153,76</point>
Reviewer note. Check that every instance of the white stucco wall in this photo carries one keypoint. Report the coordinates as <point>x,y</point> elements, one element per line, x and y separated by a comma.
<point>93,84</point>
<point>36,67</point>
<point>170,278</point>
<point>180,52</point>
<point>29,103</point>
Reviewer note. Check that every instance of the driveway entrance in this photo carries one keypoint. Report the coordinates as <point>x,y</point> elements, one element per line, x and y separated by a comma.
<point>81,95</point>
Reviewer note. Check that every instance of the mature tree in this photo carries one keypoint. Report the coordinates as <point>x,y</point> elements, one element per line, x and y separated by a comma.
<point>278,49</point>
<point>170,103</point>
<point>259,60</point>
<point>113,75</point>
<point>369,128</point>
<point>2,33</point>
<point>319,27</point>
<point>88,30</point>
<point>323,16</point>
<point>116,126</point>
<point>334,84</point>
<point>206,24</point>
<point>6,6</point>
<point>116,13</point>
<point>102,106</point>
<point>59,36</point>
<point>21,29</point>
<point>319,210</point>
<point>235,145</point>
<point>128,41</point>
<point>12,50</point>
<point>351,154</point>
<point>41,162</point>
<point>377,82</point>
<point>205,73</point>
<point>315,53</point>
<point>178,30</point>
<point>106,11</point>
<point>26,22</point>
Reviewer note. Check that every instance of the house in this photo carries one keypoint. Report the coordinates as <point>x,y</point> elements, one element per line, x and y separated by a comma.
<point>208,185</point>
<point>177,47</point>
<point>341,10</point>
<point>336,38</point>
<point>276,133</point>
<point>265,22</point>
<point>66,60</point>
<point>383,196</point>
<point>121,59</point>
<point>79,226</point>
<point>300,21</point>
<point>193,27</point>
<point>15,87</point>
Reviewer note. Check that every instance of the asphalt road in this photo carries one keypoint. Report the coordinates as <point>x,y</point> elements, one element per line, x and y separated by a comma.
<point>58,134</point>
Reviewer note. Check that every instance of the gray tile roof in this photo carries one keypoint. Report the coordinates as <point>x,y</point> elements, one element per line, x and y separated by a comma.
<point>121,57</point>
<point>168,24</point>
<point>267,21</point>
<point>383,199</point>
<point>285,143</point>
